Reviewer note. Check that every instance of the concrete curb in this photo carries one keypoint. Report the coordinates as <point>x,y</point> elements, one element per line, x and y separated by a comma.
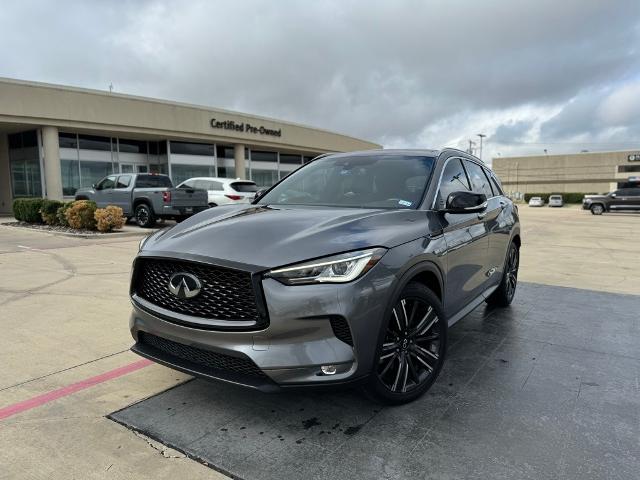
<point>141,233</point>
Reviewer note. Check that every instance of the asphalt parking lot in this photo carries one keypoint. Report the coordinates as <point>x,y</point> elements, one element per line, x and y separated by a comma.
<point>548,388</point>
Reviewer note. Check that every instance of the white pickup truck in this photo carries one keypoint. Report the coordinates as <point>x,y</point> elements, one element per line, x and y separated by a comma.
<point>145,197</point>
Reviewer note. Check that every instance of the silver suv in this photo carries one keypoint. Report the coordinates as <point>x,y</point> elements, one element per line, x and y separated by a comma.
<point>348,271</point>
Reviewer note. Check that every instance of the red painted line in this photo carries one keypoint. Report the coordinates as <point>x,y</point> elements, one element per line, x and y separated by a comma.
<point>36,401</point>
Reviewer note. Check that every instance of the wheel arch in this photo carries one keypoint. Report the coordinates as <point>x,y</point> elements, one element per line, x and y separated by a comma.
<point>139,201</point>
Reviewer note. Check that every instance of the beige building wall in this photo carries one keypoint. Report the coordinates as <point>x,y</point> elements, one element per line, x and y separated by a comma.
<point>589,172</point>
<point>76,109</point>
<point>5,177</point>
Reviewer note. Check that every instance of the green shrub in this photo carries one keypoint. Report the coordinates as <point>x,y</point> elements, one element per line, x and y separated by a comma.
<point>49,211</point>
<point>81,215</point>
<point>109,218</point>
<point>28,209</point>
<point>569,197</point>
<point>61,214</point>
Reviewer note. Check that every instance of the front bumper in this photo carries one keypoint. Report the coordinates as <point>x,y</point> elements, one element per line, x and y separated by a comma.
<point>298,340</point>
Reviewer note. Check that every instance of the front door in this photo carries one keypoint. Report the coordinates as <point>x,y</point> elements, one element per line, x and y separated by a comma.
<point>467,242</point>
<point>104,191</point>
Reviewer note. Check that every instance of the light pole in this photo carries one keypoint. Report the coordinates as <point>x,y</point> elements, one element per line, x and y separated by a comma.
<point>481,135</point>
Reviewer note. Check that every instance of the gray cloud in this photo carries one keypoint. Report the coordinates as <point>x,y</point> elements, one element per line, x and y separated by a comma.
<point>403,73</point>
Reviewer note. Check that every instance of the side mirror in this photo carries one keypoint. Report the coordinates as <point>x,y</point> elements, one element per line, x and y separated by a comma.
<point>465,202</point>
<point>259,194</point>
<point>613,195</point>
<point>94,186</point>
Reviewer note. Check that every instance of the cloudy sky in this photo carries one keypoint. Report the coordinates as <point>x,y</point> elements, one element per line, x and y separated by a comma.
<point>561,75</point>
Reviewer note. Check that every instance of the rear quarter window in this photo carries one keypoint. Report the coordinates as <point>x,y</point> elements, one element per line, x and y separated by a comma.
<point>244,187</point>
<point>153,181</point>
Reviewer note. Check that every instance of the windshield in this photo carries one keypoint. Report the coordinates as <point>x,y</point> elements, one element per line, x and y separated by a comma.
<point>375,181</point>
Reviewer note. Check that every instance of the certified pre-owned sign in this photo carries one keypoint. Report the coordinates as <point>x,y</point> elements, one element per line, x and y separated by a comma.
<point>245,127</point>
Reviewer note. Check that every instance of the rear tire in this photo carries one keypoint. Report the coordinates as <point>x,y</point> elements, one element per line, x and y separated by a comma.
<point>145,218</point>
<point>411,348</point>
<point>597,209</point>
<point>503,295</point>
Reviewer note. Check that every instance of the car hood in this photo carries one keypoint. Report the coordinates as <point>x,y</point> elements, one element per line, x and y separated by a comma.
<point>257,237</point>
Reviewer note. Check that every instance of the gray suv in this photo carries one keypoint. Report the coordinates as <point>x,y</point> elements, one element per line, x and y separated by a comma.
<point>348,271</point>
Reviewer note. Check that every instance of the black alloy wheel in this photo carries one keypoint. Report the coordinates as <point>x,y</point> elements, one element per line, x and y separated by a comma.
<point>597,209</point>
<point>503,295</point>
<point>413,348</point>
<point>144,216</point>
<point>513,262</point>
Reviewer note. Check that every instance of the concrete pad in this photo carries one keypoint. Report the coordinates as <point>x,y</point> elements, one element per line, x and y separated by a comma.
<point>540,390</point>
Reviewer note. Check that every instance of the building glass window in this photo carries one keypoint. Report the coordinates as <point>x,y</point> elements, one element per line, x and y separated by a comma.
<point>288,158</point>
<point>226,172</point>
<point>180,172</point>
<point>68,140</point>
<point>132,146</point>
<point>186,148</point>
<point>24,159</point>
<point>91,172</point>
<point>94,142</point>
<point>307,159</point>
<point>70,171</point>
<point>224,151</point>
<point>158,168</point>
<point>258,156</point>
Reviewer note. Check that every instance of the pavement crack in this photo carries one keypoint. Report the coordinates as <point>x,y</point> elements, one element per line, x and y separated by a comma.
<point>162,449</point>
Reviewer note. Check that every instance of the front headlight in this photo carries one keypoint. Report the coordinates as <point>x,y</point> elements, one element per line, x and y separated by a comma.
<point>335,269</point>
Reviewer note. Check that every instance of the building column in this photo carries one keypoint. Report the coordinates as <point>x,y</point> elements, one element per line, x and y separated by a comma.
<point>5,175</point>
<point>52,172</point>
<point>238,157</point>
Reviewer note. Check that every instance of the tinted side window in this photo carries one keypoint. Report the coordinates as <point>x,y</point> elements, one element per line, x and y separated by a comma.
<point>108,182</point>
<point>634,192</point>
<point>479,181</point>
<point>454,179</point>
<point>123,181</point>
<point>207,185</point>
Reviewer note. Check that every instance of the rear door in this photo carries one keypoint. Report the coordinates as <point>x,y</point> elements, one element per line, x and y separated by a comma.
<point>467,242</point>
<point>122,193</point>
<point>490,218</point>
<point>633,199</point>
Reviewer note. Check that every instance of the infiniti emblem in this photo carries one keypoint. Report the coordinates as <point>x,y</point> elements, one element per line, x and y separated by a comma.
<point>184,285</point>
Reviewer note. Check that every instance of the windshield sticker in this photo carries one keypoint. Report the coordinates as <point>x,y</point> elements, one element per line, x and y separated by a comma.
<point>404,203</point>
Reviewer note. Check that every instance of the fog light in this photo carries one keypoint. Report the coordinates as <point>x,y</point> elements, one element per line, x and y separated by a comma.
<point>329,369</point>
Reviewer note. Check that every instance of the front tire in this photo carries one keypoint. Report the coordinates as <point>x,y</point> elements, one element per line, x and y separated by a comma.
<point>412,348</point>
<point>145,217</point>
<point>503,295</point>
<point>597,209</point>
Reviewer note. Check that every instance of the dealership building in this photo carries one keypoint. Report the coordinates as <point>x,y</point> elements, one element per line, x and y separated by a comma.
<point>55,139</point>
<point>586,172</point>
